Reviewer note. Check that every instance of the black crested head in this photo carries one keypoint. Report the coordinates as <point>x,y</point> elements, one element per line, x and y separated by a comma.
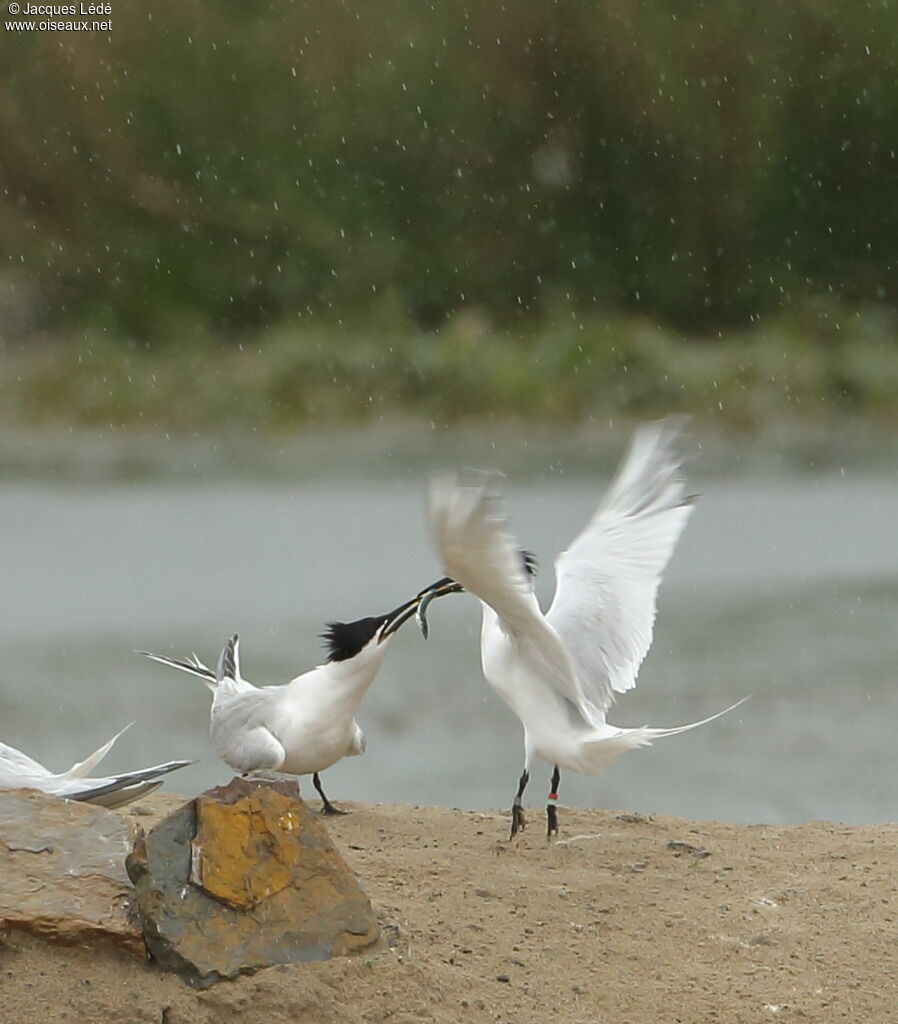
<point>344,640</point>
<point>530,564</point>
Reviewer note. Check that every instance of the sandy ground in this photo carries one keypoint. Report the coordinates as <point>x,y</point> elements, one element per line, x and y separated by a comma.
<point>623,919</point>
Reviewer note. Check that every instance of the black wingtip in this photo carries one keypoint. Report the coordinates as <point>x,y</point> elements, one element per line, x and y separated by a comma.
<point>227,663</point>
<point>531,566</point>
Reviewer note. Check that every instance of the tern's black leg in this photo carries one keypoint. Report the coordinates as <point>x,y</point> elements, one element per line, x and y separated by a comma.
<point>518,822</point>
<point>551,816</point>
<point>326,806</point>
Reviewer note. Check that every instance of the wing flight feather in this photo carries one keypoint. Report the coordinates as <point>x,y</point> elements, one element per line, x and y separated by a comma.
<point>607,580</point>
<point>479,552</point>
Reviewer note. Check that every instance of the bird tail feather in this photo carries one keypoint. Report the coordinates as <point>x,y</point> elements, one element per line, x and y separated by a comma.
<point>600,752</point>
<point>193,665</point>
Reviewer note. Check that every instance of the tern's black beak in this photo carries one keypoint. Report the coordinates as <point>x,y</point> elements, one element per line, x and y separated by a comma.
<point>444,586</point>
<point>418,607</point>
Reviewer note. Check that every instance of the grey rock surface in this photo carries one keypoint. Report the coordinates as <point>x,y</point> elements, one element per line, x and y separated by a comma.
<point>62,871</point>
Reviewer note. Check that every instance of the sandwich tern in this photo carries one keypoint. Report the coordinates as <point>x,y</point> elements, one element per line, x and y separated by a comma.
<point>19,771</point>
<point>308,724</point>
<point>561,671</point>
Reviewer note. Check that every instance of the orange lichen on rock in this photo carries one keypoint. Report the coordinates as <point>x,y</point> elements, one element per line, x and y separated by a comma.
<point>246,851</point>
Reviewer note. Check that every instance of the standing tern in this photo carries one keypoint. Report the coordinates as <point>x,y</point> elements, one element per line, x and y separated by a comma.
<point>560,671</point>
<point>19,771</point>
<point>308,724</point>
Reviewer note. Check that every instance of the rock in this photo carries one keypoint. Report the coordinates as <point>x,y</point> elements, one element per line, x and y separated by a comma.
<point>62,871</point>
<point>243,877</point>
<point>680,848</point>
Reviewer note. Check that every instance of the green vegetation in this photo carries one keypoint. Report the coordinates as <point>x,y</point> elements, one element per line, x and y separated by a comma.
<point>449,208</point>
<point>568,373</point>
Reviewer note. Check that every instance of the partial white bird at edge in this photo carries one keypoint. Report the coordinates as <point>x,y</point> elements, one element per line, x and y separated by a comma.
<point>19,771</point>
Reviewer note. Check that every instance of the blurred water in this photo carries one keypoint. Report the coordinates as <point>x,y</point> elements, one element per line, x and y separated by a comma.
<point>785,586</point>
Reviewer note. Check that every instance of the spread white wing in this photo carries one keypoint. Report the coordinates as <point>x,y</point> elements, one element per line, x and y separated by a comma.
<point>479,552</point>
<point>607,580</point>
